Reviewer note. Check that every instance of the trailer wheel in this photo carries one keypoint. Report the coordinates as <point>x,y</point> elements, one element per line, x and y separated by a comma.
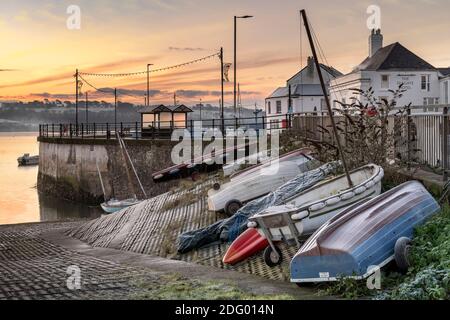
<point>272,258</point>
<point>232,207</point>
<point>401,251</point>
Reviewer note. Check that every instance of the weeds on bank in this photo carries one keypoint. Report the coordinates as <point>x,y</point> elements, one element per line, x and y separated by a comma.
<point>177,287</point>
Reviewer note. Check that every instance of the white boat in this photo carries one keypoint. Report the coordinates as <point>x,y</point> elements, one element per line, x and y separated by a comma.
<point>235,166</point>
<point>114,205</point>
<point>27,160</point>
<point>231,195</point>
<point>304,213</point>
<point>299,156</point>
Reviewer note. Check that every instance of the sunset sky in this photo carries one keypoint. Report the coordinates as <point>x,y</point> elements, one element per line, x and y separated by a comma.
<point>39,54</point>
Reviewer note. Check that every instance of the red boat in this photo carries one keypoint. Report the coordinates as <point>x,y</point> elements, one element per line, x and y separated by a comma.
<point>246,245</point>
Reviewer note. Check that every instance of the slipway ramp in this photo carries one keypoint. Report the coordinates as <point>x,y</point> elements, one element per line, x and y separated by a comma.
<point>153,226</point>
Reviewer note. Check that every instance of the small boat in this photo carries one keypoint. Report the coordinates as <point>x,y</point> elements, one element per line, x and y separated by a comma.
<point>297,156</point>
<point>246,245</point>
<point>231,195</point>
<point>191,168</point>
<point>358,240</point>
<point>231,168</point>
<point>27,160</point>
<point>114,205</point>
<point>305,212</point>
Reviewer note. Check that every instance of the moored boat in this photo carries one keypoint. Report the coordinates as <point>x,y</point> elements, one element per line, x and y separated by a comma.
<point>27,160</point>
<point>114,205</point>
<point>360,239</point>
<point>305,212</point>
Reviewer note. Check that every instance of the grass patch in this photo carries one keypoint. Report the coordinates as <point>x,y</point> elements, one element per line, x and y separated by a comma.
<point>176,287</point>
<point>429,276</point>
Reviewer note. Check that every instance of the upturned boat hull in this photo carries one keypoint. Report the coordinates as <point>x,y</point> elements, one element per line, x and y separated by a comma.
<point>362,238</point>
<point>246,245</point>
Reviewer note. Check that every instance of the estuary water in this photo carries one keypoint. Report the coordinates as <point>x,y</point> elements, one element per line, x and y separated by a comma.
<point>19,199</point>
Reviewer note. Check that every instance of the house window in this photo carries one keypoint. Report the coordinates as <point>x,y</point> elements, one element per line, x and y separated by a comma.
<point>425,82</point>
<point>278,106</point>
<point>430,101</point>
<point>384,81</point>
<point>323,105</point>
<point>274,124</point>
<point>268,107</point>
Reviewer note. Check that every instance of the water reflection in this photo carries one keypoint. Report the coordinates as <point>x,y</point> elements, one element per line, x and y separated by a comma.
<point>19,200</point>
<point>51,209</point>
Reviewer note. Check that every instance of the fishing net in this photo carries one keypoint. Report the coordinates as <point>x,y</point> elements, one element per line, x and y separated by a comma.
<point>227,230</point>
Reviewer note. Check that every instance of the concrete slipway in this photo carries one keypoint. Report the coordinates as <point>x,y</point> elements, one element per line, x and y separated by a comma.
<point>152,228</point>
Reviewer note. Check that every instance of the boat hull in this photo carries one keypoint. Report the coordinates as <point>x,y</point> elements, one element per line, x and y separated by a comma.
<point>116,206</point>
<point>247,244</point>
<point>251,186</point>
<point>363,238</point>
<point>280,223</point>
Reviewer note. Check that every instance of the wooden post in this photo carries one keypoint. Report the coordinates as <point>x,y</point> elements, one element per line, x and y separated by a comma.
<point>136,128</point>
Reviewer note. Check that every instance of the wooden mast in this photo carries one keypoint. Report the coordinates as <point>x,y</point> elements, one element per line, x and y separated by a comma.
<point>325,94</point>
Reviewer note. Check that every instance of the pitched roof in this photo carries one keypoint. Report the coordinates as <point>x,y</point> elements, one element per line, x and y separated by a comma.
<point>335,73</point>
<point>445,71</point>
<point>163,108</point>
<point>394,57</point>
<point>298,90</point>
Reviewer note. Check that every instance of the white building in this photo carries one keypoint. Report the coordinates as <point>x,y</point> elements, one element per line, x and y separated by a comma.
<point>304,90</point>
<point>445,85</point>
<point>388,67</point>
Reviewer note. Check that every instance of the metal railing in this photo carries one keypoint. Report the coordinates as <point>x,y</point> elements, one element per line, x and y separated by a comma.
<point>427,131</point>
<point>162,129</point>
<point>422,138</point>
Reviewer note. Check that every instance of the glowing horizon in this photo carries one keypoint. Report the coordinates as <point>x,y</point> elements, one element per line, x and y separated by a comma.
<point>39,54</point>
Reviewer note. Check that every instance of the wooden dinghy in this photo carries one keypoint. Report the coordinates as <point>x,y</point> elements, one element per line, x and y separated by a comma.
<point>364,237</point>
<point>303,214</point>
<point>231,195</point>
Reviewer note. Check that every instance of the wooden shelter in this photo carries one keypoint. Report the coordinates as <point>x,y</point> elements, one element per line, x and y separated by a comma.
<point>161,120</point>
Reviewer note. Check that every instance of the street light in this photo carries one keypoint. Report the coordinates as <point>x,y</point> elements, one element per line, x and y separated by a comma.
<point>148,83</point>
<point>235,33</point>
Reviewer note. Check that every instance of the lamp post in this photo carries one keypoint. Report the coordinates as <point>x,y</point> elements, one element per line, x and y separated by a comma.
<point>148,84</point>
<point>235,42</point>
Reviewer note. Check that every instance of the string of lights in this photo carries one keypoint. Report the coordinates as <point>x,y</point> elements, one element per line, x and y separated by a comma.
<point>150,71</point>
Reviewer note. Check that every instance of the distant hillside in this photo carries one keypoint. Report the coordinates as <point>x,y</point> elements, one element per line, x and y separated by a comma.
<point>18,116</point>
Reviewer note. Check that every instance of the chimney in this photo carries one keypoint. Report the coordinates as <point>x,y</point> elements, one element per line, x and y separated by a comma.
<point>310,66</point>
<point>375,41</point>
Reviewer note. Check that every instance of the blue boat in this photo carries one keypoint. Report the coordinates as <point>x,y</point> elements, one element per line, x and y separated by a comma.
<point>365,236</point>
